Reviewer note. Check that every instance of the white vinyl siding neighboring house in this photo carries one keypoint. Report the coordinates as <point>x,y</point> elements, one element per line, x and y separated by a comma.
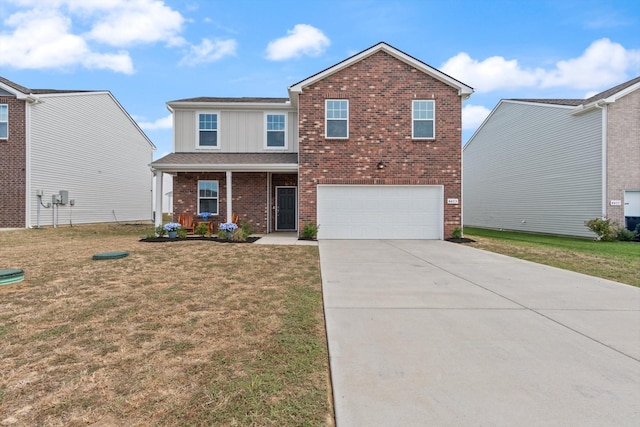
<point>86,144</point>
<point>535,167</point>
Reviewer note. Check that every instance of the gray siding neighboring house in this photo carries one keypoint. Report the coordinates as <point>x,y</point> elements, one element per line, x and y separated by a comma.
<point>547,166</point>
<point>83,142</point>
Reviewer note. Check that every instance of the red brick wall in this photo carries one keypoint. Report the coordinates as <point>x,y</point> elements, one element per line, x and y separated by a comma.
<point>249,196</point>
<point>380,89</point>
<point>13,167</point>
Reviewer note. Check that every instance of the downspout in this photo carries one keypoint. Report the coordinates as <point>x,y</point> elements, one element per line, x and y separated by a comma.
<point>601,105</point>
<point>31,100</point>
<point>229,196</point>
<point>158,195</point>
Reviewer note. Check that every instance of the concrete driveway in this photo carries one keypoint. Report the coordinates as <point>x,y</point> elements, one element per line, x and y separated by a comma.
<point>432,333</point>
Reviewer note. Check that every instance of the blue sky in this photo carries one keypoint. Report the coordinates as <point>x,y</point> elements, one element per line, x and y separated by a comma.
<point>148,52</point>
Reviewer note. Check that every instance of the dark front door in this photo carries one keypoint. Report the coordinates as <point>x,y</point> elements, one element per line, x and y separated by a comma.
<point>286,208</point>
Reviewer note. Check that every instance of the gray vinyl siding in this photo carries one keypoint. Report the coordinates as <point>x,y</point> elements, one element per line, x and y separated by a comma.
<point>238,132</point>
<point>534,168</point>
<point>86,144</point>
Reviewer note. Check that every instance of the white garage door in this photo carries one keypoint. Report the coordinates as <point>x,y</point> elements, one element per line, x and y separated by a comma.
<point>380,211</point>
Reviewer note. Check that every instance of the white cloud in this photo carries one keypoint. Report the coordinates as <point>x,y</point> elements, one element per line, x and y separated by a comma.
<point>473,116</point>
<point>302,40</point>
<point>491,74</point>
<point>209,51</point>
<point>162,123</point>
<point>67,33</point>
<point>137,22</point>
<point>42,39</point>
<point>602,64</point>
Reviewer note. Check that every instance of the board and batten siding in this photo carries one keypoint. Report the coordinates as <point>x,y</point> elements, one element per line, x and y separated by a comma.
<point>238,132</point>
<point>86,144</point>
<point>535,168</point>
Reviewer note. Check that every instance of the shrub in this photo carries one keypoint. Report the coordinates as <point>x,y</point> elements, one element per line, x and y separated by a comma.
<point>160,231</point>
<point>603,228</point>
<point>456,233</point>
<point>182,233</point>
<point>247,229</point>
<point>625,235</point>
<point>239,235</point>
<point>201,229</point>
<point>310,230</point>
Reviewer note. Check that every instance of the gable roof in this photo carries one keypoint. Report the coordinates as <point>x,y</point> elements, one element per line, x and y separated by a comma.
<point>615,91</point>
<point>8,84</point>
<point>606,96</point>
<point>241,100</point>
<point>463,90</point>
<point>30,95</point>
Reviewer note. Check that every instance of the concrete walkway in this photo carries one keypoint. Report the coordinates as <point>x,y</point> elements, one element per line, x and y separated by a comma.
<point>431,333</point>
<point>283,238</point>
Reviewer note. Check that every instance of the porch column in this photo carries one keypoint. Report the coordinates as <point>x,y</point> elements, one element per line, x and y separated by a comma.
<point>158,189</point>
<point>229,196</point>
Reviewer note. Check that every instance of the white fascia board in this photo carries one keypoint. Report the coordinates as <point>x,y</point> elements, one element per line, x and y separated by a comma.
<point>237,167</point>
<point>583,108</point>
<point>623,92</point>
<point>29,97</point>
<point>463,90</point>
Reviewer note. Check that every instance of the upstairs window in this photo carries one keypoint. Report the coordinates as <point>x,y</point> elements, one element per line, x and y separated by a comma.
<point>337,118</point>
<point>423,119</point>
<point>276,130</point>
<point>208,130</point>
<point>208,197</point>
<point>4,121</point>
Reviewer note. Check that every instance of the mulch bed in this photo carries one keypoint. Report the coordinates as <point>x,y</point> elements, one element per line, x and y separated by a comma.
<point>460,240</point>
<point>250,239</point>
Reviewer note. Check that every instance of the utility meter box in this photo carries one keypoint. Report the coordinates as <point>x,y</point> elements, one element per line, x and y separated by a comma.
<point>55,199</point>
<point>64,197</point>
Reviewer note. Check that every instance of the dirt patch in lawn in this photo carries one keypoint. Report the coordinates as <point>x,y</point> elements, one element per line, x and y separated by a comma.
<point>194,334</point>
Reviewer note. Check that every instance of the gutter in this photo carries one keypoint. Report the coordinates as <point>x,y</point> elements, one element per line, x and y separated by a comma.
<point>260,167</point>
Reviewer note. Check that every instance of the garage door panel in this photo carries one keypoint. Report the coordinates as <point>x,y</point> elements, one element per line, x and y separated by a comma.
<point>380,212</point>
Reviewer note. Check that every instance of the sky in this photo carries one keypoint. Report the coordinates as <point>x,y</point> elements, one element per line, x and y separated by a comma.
<point>149,52</point>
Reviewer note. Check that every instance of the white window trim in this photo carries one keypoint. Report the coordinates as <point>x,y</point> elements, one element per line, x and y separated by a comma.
<point>6,137</point>
<point>327,119</point>
<point>207,147</point>
<point>217,212</point>
<point>413,120</point>
<point>266,130</point>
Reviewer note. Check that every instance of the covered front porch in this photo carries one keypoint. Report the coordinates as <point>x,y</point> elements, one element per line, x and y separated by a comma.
<point>260,188</point>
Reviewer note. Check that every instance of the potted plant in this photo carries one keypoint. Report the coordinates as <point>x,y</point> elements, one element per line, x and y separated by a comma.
<point>205,216</point>
<point>172,229</point>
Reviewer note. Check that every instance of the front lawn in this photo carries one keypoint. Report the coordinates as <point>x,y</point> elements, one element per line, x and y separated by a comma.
<point>618,261</point>
<point>185,333</point>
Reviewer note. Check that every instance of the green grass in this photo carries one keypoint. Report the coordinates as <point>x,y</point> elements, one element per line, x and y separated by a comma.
<point>618,261</point>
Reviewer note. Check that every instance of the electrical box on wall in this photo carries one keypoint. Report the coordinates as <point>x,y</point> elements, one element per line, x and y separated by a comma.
<point>55,199</point>
<point>64,197</point>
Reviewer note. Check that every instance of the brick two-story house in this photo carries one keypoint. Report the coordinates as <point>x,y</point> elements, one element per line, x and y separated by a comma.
<point>368,148</point>
<point>70,157</point>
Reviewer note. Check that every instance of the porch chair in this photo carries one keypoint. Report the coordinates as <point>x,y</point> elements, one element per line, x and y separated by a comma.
<point>186,221</point>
